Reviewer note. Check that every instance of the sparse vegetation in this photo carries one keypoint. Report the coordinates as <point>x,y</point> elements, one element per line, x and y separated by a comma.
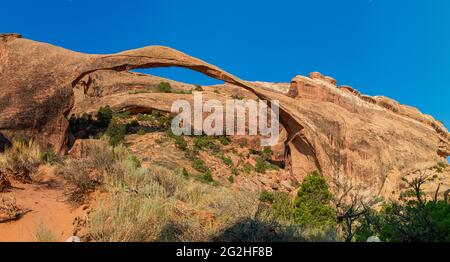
<point>50,157</point>
<point>414,219</point>
<point>180,142</point>
<point>104,115</point>
<point>261,166</point>
<point>205,143</point>
<point>116,132</point>
<point>141,132</point>
<point>21,160</point>
<point>84,176</point>
<point>144,204</point>
<point>164,87</point>
<point>185,173</point>
<point>206,177</point>
<point>44,234</point>
<point>226,160</point>
<point>199,165</point>
<point>248,168</point>
<point>224,140</point>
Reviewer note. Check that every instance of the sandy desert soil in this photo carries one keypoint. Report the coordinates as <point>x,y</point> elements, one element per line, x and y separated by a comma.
<point>48,214</point>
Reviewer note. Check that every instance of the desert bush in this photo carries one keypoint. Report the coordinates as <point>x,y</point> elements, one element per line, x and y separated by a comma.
<point>104,115</point>
<point>414,219</point>
<point>125,217</point>
<point>185,173</point>
<point>312,206</point>
<point>115,132</point>
<point>261,165</point>
<point>281,206</point>
<point>85,175</point>
<point>156,205</point>
<point>82,179</point>
<point>141,131</point>
<point>247,168</point>
<point>164,87</point>
<point>199,165</point>
<point>21,160</point>
<point>206,177</point>
<point>50,157</point>
<point>224,140</point>
<point>205,143</point>
<point>44,234</point>
<point>267,153</point>
<point>226,160</point>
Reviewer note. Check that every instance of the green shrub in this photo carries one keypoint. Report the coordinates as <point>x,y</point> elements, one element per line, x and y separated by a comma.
<point>116,132</point>
<point>266,197</point>
<point>141,117</point>
<point>282,208</point>
<point>312,206</point>
<point>224,140</point>
<point>414,219</point>
<point>247,168</point>
<point>206,177</point>
<point>185,173</point>
<point>50,157</point>
<point>226,160</point>
<point>261,166</point>
<point>104,115</point>
<point>205,143</point>
<point>180,142</point>
<point>164,87</point>
<point>141,132</point>
<point>267,153</point>
<point>199,165</point>
<point>121,115</point>
<point>136,163</point>
<point>231,179</point>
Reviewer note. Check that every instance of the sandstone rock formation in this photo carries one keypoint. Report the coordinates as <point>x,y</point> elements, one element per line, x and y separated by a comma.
<point>372,141</point>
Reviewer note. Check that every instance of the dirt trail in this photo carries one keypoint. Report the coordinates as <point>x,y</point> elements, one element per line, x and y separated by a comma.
<point>48,211</point>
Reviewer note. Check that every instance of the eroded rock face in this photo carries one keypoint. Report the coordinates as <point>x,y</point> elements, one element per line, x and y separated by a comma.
<point>37,81</point>
<point>372,141</point>
<point>354,135</point>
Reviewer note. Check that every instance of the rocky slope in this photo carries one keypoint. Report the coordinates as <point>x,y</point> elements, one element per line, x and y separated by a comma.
<point>372,141</point>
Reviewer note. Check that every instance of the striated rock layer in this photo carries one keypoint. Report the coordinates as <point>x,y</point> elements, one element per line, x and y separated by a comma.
<point>372,141</point>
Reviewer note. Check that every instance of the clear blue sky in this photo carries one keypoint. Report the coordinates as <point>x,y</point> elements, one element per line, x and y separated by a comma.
<point>397,48</point>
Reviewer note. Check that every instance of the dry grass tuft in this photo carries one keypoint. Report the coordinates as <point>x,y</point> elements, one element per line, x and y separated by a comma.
<point>44,234</point>
<point>21,160</point>
<point>158,204</point>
